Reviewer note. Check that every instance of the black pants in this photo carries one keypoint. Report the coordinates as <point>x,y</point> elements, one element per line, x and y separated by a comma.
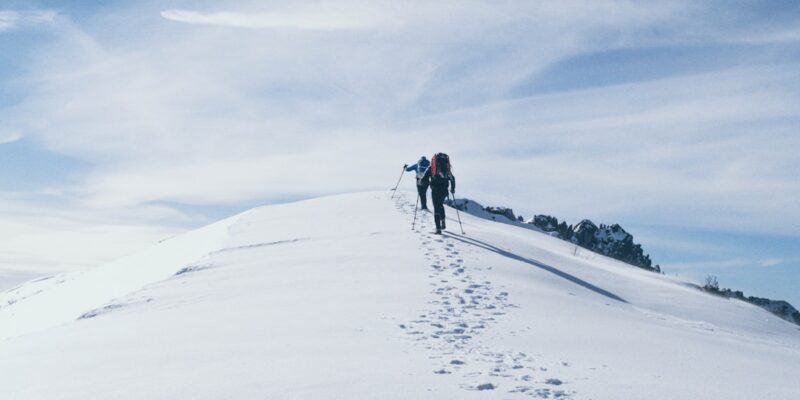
<point>438,207</point>
<point>422,189</point>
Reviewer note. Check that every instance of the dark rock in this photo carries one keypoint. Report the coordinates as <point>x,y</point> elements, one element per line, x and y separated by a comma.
<point>545,223</point>
<point>506,212</point>
<point>781,308</point>
<point>612,241</point>
<point>585,234</point>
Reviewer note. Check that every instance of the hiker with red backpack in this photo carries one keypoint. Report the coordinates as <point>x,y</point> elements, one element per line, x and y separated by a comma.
<point>441,178</point>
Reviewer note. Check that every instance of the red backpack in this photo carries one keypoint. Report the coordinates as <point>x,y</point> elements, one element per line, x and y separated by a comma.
<point>440,165</point>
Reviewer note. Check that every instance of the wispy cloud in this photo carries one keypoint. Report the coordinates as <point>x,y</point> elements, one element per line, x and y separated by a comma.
<point>771,262</point>
<point>11,20</point>
<point>724,264</point>
<point>789,34</point>
<point>9,137</point>
<point>312,18</point>
<point>8,20</point>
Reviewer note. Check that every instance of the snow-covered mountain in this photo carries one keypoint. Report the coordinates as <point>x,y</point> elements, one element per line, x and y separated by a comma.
<point>337,298</point>
<point>780,308</point>
<point>612,241</point>
<point>608,240</point>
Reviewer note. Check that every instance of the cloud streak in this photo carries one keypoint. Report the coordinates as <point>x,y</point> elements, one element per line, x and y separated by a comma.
<point>9,137</point>
<point>8,20</point>
<point>11,20</point>
<point>316,18</point>
<point>726,264</point>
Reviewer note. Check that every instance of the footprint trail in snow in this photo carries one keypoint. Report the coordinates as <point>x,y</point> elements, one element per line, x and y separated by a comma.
<point>465,305</point>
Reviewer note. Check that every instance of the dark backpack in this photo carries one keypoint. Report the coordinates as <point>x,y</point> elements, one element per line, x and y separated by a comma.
<point>440,165</point>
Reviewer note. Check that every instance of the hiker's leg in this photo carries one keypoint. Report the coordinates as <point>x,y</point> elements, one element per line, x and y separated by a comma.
<point>423,195</point>
<point>438,208</point>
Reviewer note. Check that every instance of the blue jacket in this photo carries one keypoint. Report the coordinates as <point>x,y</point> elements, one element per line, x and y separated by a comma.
<point>421,166</point>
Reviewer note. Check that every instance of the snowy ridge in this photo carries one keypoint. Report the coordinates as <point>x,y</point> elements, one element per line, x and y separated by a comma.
<point>48,302</point>
<point>338,298</point>
<point>778,307</point>
<point>612,241</point>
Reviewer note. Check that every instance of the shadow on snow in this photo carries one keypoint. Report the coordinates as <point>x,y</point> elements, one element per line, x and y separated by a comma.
<point>572,278</point>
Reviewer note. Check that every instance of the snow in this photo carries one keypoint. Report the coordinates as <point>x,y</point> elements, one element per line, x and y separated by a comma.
<point>10,278</point>
<point>52,302</point>
<point>337,298</point>
<point>476,209</point>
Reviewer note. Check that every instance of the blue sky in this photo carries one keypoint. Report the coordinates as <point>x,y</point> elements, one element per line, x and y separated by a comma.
<point>123,123</point>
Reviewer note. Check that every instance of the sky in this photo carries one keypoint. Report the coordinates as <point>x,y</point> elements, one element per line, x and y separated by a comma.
<point>125,123</point>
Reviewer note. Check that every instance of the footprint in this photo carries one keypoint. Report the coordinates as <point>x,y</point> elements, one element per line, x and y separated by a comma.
<point>442,372</point>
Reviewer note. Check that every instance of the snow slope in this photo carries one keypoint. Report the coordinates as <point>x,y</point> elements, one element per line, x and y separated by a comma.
<point>337,298</point>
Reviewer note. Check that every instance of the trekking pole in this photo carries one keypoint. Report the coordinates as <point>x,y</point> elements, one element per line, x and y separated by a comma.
<point>453,199</point>
<point>398,183</point>
<point>415,213</point>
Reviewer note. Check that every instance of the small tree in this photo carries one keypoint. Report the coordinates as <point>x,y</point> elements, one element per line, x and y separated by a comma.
<point>712,285</point>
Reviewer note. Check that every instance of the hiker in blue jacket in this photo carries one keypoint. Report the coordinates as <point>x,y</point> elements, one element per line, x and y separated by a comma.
<point>421,167</point>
